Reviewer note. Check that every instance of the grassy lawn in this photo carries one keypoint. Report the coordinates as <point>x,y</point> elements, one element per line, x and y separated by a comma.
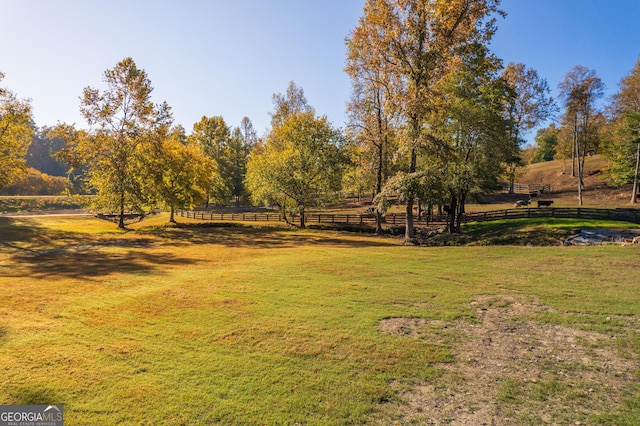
<point>242,325</point>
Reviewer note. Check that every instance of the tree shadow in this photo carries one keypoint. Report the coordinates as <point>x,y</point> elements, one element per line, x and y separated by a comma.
<point>38,395</point>
<point>88,264</point>
<point>239,235</point>
<point>13,232</point>
<point>42,252</point>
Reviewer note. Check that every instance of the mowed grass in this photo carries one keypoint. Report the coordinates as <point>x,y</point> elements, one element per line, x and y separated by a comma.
<point>259,325</point>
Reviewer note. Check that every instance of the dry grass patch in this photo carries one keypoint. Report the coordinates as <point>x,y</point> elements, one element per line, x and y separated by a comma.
<point>511,369</point>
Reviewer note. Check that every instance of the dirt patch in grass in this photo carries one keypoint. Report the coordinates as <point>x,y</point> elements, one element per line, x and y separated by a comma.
<point>509,369</point>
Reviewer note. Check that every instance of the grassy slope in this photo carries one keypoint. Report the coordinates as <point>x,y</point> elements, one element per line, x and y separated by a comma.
<point>564,187</point>
<point>256,325</point>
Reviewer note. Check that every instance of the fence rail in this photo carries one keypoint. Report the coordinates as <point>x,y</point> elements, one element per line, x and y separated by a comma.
<point>527,188</point>
<point>310,218</point>
<point>627,215</point>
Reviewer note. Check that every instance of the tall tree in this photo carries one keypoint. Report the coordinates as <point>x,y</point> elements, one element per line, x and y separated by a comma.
<point>418,40</point>
<point>249,135</point>
<point>528,106</point>
<point>292,102</point>
<point>214,137</point>
<point>624,148</point>
<point>121,118</point>
<point>580,90</point>
<point>300,164</point>
<point>370,114</point>
<point>16,132</point>
<point>475,128</point>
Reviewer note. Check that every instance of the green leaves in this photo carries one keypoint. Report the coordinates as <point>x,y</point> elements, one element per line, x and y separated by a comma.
<point>301,163</point>
<point>16,132</point>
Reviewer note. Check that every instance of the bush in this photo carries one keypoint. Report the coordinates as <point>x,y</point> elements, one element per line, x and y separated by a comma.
<point>36,183</point>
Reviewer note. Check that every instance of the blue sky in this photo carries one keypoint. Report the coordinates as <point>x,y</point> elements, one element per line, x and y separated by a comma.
<point>228,57</point>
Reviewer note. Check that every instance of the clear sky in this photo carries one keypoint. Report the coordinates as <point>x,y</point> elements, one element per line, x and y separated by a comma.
<point>228,57</point>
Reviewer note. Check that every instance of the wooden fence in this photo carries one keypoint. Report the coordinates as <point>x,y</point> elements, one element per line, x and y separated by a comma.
<point>627,215</point>
<point>310,218</point>
<point>525,188</point>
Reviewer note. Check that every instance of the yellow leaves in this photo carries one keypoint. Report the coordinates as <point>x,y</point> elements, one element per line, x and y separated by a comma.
<point>16,132</point>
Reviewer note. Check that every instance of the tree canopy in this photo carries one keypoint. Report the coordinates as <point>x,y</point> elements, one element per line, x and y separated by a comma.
<point>624,148</point>
<point>418,42</point>
<point>299,166</point>
<point>16,132</point>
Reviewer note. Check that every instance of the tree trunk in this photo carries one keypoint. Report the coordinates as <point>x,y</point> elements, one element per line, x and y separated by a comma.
<point>378,223</point>
<point>577,155</point>
<point>302,224</point>
<point>512,177</point>
<point>379,183</point>
<point>460,212</point>
<point>172,218</point>
<point>409,229</point>
<point>452,215</point>
<point>634,194</point>
<point>121,220</point>
<point>573,147</point>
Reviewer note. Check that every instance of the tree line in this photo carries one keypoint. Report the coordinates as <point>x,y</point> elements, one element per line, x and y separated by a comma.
<point>435,120</point>
<point>585,129</point>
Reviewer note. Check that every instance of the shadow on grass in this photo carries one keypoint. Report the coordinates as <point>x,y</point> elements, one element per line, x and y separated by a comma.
<point>93,263</point>
<point>536,232</point>
<point>239,235</point>
<point>42,253</point>
<point>35,396</point>
<point>12,231</point>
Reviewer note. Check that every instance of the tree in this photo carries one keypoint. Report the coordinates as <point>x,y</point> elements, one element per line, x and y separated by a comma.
<point>300,163</point>
<point>121,119</point>
<point>475,128</point>
<point>580,90</point>
<point>624,148</point>
<point>547,140</point>
<point>418,40</point>
<point>16,132</point>
<point>371,116</point>
<point>180,174</point>
<point>214,137</point>
<point>528,106</point>
<point>42,152</point>
<point>248,134</point>
<point>292,102</point>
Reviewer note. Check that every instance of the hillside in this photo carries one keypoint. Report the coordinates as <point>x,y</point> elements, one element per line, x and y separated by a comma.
<point>564,191</point>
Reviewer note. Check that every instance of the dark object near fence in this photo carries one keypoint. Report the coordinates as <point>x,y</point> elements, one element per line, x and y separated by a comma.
<point>521,203</point>
<point>544,203</point>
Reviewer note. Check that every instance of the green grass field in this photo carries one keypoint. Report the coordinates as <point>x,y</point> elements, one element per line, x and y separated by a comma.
<point>262,325</point>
